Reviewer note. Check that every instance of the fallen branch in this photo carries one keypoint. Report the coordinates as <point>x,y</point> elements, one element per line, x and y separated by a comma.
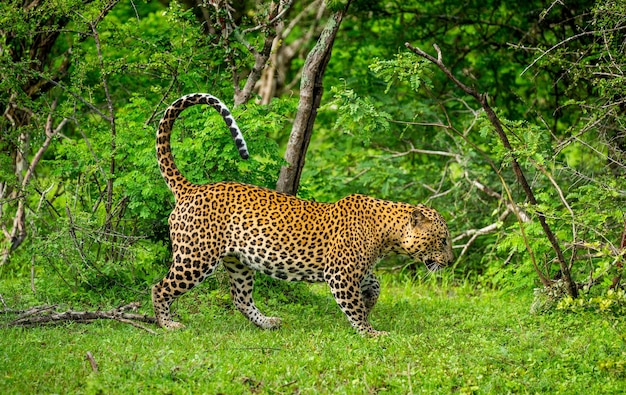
<point>29,312</point>
<point>46,315</point>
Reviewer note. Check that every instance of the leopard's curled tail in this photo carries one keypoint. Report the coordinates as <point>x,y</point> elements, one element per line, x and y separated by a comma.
<point>177,183</point>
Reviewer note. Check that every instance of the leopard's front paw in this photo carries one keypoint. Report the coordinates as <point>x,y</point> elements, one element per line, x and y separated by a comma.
<point>171,325</point>
<point>375,333</point>
<point>272,323</point>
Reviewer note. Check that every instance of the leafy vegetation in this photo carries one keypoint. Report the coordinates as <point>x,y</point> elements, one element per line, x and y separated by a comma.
<point>392,126</point>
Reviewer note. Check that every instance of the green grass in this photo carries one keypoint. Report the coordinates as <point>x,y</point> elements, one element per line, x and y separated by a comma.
<point>442,340</point>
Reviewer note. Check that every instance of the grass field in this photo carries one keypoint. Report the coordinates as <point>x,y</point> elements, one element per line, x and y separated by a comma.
<point>443,339</point>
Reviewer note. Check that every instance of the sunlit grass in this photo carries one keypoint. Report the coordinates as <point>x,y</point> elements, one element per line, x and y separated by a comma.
<point>443,339</point>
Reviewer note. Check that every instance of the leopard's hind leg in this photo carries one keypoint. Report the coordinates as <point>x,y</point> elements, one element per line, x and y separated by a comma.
<point>163,294</point>
<point>241,286</point>
<point>188,269</point>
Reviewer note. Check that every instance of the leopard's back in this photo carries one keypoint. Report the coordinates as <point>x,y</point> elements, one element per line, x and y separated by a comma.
<point>277,234</point>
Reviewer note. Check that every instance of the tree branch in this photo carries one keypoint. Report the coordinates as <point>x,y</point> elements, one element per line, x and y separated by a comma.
<point>490,192</point>
<point>277,11</point>
<point>519,174</point>
<point>18,231</point>
<point>474,233</point>
<point>273,20</point>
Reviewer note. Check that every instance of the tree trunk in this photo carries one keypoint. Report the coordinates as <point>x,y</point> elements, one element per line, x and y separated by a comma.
<point>311,89</point>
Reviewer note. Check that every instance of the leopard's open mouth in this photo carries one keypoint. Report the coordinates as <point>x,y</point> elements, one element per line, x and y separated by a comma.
<point>432,266</point>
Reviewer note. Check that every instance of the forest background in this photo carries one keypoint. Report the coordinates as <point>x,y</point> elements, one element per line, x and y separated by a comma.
<point>83,208</point>
<point>514,130</point>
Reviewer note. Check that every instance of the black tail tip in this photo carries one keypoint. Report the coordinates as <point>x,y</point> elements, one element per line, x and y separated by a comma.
<point>244,155</point>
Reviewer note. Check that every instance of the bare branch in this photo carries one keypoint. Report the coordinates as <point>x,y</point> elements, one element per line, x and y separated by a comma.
<point>281,54</point>
<point>475,233</point>
<point>18,232</point>
<point>574,37</point>
<point>92,361</point>
<point>272,21</point>
<point>426,124</point>
<point>414,150</point>
<point>509,205</point>
<point>519,174</point>
<point>547,11</point>
<point>242,95</point>
<point>163,97</point>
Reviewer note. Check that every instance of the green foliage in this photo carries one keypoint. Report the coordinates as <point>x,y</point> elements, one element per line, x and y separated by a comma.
<point>357,116</point>
<point>391,126</point>
<point>92,238</point>
<point>405,67</point>
<point>139,179</point>
<point>611,303</point>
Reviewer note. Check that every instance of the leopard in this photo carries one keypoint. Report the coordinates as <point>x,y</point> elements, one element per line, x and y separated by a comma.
<point>250,229</point>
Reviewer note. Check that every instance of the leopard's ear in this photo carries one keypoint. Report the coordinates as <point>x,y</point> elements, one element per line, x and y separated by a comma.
<point>418,218</point>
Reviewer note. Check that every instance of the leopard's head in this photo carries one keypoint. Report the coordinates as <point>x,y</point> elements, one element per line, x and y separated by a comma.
<point>427,239</point>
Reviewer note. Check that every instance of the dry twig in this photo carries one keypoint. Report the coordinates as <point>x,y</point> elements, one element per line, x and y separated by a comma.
<point>92,361</point>
<point>474,233</point>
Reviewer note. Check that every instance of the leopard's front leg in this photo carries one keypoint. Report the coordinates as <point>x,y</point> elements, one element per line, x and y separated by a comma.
<point>370,289</point>
<point>346,288</point>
